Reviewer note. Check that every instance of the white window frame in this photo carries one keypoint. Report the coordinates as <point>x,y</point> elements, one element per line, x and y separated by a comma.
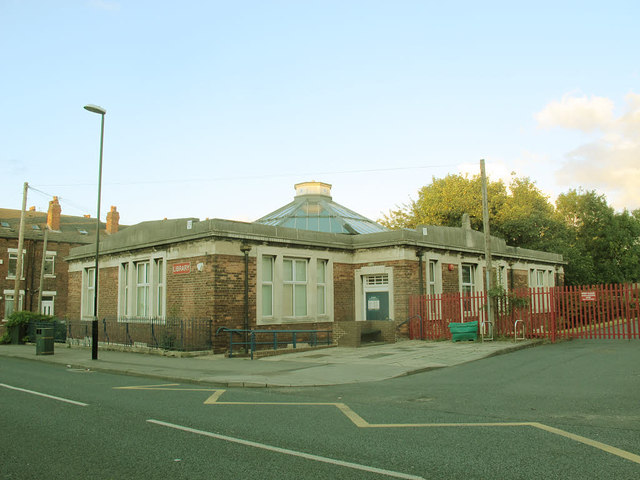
<point>433,279</point>
<point>13,255</point>
<point>277,284</point>
<point>143,298</point>
<point>159,277</point>
<point>267,285</point>
<point>88,291</point>
<point>142,289</point>
<point>124,304</point>
<point>472,287</point>
<point>50,258</point>
<point>48,299</point>
<point>321,286</point>
<point>360,292</point>
<point>8,300</point>
<point>298,305</point>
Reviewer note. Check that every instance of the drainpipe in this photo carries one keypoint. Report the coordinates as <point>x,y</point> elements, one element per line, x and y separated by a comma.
<point>244,248</point>
<point>419,254</point>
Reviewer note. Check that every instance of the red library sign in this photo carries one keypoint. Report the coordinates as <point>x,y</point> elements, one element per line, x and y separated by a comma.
<point>182,267</point>
<point>588,296</point>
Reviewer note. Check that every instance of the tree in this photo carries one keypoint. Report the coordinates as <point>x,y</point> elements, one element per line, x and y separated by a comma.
<point>523,216</point>
<point>445,200</point>
<point>527,218</point>
<point>601,245</point>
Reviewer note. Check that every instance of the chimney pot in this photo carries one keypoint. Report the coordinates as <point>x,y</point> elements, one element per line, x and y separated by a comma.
<point>113,220</point>
<point>53,215</point>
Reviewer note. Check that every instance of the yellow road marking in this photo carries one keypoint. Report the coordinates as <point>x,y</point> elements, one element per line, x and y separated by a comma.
<point>360,422</point>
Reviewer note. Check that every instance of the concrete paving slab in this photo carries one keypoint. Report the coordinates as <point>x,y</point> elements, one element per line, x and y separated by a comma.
<point>333,366</point>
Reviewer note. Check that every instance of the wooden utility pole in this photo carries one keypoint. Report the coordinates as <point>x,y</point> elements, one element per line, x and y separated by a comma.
<point>487,247</point>
<point>16,285</point>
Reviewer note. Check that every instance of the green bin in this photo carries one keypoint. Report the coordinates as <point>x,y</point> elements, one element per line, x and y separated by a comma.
<point>464,331</point>
<point>44,341</point>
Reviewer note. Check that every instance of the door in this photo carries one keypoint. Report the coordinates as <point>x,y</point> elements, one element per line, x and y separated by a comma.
<point>47,306</point>
<point>376,297</point>
<point>377,305</point>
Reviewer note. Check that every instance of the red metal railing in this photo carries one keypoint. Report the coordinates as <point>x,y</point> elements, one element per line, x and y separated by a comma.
<point>599,311</point>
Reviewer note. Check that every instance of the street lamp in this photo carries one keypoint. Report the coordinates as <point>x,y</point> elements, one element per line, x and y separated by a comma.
<point>94,327</point>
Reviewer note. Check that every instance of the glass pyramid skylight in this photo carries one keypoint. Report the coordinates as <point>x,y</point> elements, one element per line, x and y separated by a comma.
<point>313,209</point>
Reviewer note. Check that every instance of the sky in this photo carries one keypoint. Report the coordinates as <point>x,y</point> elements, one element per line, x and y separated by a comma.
<point>216,109</point>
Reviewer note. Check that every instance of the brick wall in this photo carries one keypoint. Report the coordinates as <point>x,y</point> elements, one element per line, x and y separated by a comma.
<point>191,295</point>
<point>58,283</point>
<point>520,278</point>
<point>74,298</point>
<point>343,292</point>
<point>450,278</point>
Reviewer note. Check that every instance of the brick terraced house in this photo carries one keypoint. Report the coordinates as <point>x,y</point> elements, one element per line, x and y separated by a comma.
<point>43,266</point>
<point>313,264</point>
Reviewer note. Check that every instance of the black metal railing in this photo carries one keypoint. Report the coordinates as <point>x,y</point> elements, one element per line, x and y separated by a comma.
<point>252,340</point>
<point>161,333</point>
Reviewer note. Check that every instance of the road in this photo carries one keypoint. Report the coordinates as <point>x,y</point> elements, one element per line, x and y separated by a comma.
<point>569,410</point>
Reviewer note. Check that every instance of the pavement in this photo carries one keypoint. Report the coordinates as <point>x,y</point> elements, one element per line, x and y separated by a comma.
<point>329,366</point>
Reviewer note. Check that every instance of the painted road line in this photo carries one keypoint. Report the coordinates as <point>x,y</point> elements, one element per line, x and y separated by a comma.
<point>52,397</point>
<point>286,451</point>
<point>169,387</point>
<point>587,441</point>
<point>360,422</point>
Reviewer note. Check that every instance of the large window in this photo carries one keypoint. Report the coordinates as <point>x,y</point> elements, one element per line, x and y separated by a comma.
<point>293,289</point>
<point>468,279</point>
<point>321,286</point>
<point>431,277</point>
<point>294,300</point>
<point>541,277</point>
<point>267,286</point>
<point>142,289</point>
<point>89,296</point>
<point>142,292</point>
<point>124,290</point>
<point>159,283</point>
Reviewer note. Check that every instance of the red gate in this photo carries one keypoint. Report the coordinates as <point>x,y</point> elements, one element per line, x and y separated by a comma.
<point>600,311</point>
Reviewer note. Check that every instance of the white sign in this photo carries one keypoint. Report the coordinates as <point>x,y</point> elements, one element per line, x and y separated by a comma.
<point>373,304</point>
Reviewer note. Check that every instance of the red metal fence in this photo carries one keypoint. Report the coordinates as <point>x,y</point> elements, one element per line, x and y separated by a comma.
<point>599,311</point>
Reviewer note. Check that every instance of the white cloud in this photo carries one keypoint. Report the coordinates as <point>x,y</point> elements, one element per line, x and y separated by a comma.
<point>581,113</point>
<point>611,163</point>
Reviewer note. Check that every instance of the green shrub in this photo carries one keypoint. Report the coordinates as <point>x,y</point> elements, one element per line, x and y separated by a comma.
<point>23,318</point>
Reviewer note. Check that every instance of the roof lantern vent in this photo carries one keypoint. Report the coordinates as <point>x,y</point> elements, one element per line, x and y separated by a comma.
<point>313,188</point>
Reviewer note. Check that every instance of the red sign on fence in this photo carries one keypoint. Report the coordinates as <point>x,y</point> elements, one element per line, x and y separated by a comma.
<point>182,267</point>
<point>588,296</point>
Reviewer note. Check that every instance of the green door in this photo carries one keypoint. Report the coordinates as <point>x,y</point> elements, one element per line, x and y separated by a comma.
<point>377,305</point>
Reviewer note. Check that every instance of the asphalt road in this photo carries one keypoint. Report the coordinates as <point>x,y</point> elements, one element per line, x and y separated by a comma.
<point>570,410</point>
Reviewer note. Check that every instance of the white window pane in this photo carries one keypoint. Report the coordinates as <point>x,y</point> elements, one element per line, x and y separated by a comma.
<point>321,271</point>
<point>301,271</point>
<point>267,300</point>
<point>287,270</point>
<point>267,269</point>
<point>321,300</point>
<point>287,300</point>
<point>301,300</point>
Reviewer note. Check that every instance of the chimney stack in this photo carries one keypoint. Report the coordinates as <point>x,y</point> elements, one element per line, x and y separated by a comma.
<point>113,219</point>
<point>53,215</point>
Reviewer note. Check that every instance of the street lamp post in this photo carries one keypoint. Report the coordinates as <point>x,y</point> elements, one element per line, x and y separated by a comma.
<point>94,327</point>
